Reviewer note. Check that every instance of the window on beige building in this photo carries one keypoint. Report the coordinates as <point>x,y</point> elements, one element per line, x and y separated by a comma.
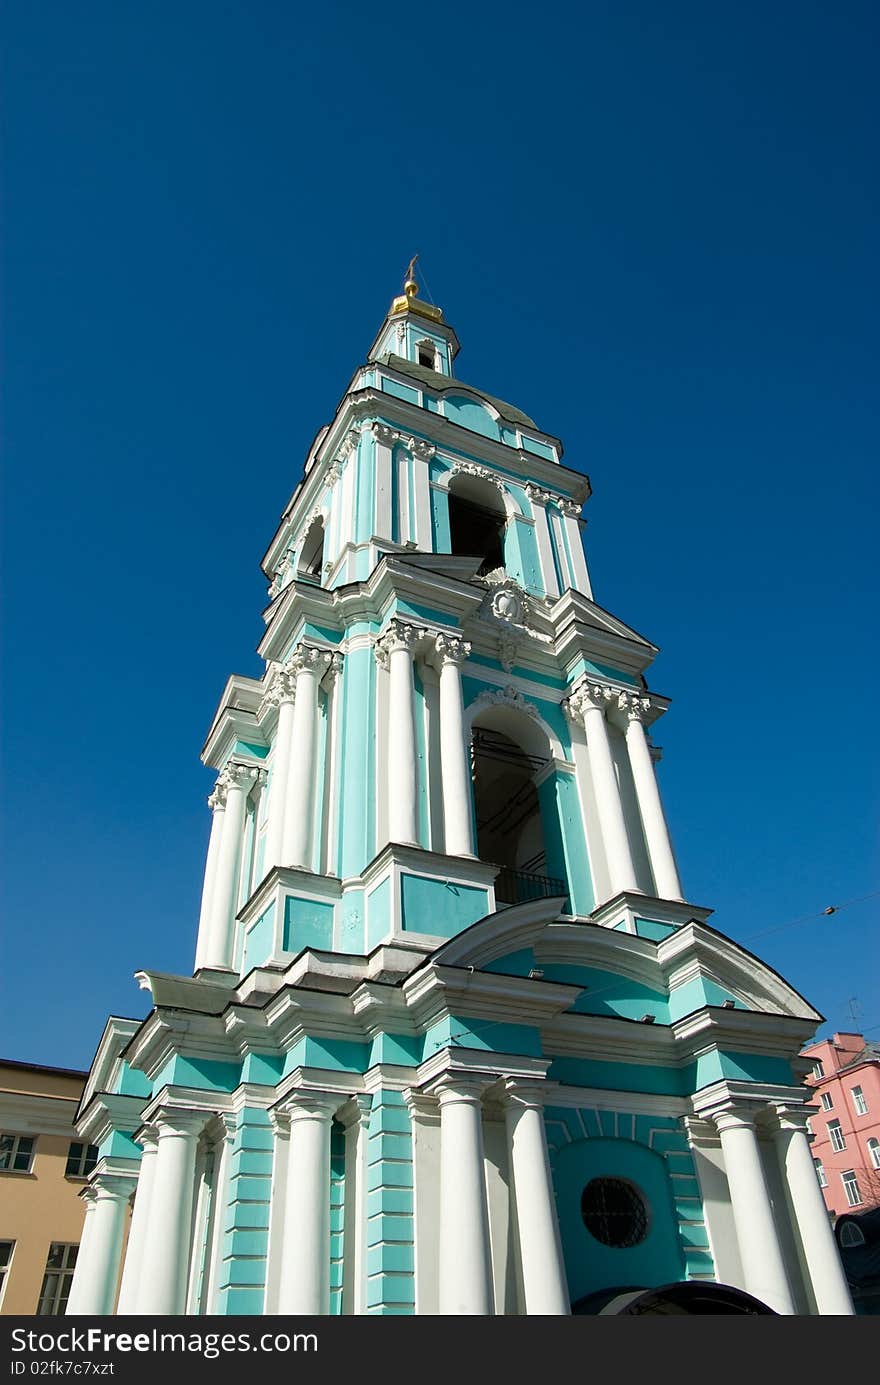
<point>81,1159</point>
<point>16,1153</point>
<point>57,1279</point>
<point>6,1249</point>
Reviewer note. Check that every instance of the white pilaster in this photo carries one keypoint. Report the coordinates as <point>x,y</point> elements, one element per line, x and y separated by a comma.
<point>284,690</point>
<point>304,1287</point>
<point>218,947</point>
<point>166,1251</point>
<point>98,1273</point>
<point>830,1288</point>
<point>587,704</point>
<point>422,452</point>
<point>571,523</point>
<point>140,1220</point>
<point>458,831</point>
<point>663,866</point>
<point>760,1253</point>
<point>465,1260</point>
<point>309,664</point>
<point>396,647</point>
<point>217,804</point>
<point>540,1249</point>
<point>355,1116</point>
<point>385,438</point>
<point>539,499</point>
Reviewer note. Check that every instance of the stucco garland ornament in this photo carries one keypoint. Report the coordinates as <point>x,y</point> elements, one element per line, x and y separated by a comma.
<point>507,697</point>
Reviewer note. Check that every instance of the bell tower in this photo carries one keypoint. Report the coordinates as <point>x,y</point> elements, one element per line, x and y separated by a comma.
<point>454,1040</point>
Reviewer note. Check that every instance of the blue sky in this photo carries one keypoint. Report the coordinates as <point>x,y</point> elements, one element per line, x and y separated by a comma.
<point>654,228</point>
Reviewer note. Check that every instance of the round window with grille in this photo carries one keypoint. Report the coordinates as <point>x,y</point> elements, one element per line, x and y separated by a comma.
<point>614,1212</point>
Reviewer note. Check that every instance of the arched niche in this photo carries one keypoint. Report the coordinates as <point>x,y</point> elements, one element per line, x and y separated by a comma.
<point>310,564</point>
<point>478,515</point>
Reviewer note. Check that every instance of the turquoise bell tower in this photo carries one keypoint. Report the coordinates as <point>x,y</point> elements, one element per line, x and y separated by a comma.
<point>454,1041</point>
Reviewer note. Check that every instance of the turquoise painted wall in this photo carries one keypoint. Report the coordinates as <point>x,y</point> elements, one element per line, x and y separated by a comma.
<point>441,536</point>
<point>307,923</point>
<point>390,1208</point>
<point>439,906</point>
<point>470,414</point>
<point>242,1279</point>
<point>259,940</point>
<point>378,914</point>
<point>337,1215</point>
<point>365,460</point>
<point>590,1265</point>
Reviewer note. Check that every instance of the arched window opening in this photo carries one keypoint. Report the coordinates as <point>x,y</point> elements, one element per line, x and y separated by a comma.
<point>310,567</point>
<point>477,521</point>
<point>510,832</point>
<point>426,354</point>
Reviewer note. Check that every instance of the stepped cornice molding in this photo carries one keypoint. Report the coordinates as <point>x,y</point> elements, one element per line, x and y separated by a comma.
<point>720,958</point>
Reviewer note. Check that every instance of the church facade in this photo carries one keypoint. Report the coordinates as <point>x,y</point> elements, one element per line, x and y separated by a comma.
<point>455,1041</point>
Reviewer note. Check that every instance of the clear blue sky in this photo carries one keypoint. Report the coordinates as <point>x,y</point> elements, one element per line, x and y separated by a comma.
<point>655,228</point>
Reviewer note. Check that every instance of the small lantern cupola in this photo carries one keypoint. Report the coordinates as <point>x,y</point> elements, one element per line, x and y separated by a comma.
<point>415,332</point>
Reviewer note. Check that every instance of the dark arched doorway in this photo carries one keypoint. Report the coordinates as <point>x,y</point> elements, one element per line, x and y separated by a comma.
<point>477,521</point>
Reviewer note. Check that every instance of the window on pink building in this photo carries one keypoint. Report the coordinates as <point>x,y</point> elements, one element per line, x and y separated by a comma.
<point>820,1173</point>
<point>835,1135</point>
<point>851,1188</point>
<point>859,1101</point>
<point>827,1101</point>
<point>874,1152</point>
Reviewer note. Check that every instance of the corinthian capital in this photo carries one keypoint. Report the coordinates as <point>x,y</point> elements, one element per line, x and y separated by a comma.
<point>399,635</point>
<point>635,707</point>
<point>572,508</point>
<point>452,649</point>
<point>537,495</point>
<point>308,658</point>
<point>217,799</point>
<point>237,776</point>
<point>586,697</point>
<point>422,449</point>
<point>382,433</point>
<point>282,688</point>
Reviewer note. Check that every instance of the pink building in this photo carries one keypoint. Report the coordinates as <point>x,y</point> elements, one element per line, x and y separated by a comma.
<point>846,1124</point>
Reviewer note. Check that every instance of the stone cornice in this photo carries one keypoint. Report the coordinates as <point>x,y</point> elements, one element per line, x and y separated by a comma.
<point>109,1111</point>
<point>32,1113</point>
<point>718,956</point>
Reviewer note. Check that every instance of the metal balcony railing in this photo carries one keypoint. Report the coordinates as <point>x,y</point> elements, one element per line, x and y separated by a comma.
<point>519,886</point>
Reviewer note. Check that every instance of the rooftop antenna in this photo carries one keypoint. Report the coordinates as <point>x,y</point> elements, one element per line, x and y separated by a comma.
<point>855,1009</point>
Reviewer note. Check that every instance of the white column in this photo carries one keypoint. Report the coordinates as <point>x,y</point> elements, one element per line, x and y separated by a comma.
<point>455,764</point>
<point>396,647</point>
<point>218,948</point>
<point>466,1286</point>
<point>305,1261</point>
<point>166,1252</point>
<point>80,1274</point>
<point>140,1220</point>
<point>217,804</point>
<point>663,865</point>
<point>539,499</point>
<point>540,1249</point>
<point>355,1115</point>
<point>587,704</point>
<point>309,664</point>
<point>830,1288</point>
<point>284,690</point>
<point>756,1234</point>
<point>99,1271</point>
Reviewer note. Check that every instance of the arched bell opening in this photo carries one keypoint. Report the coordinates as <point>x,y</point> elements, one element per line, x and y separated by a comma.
<point>310,567</point>
<point>508,758</point>
<point>477,521</point>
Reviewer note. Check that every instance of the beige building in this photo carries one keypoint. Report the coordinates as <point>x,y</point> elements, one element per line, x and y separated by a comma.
<point>43,1169</point>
